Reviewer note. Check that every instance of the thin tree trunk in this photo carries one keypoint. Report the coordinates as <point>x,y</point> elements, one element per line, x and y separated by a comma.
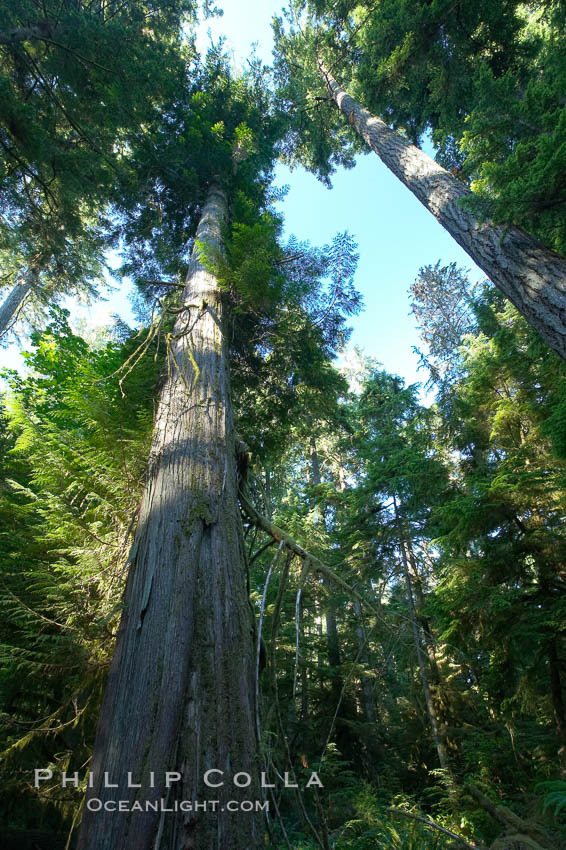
<point>180,695</point>
<point>320,633</point>
<point>14,300</point>
<point>297,724</point>
<point>530,275</point>
<point>368,702</point>
<point>340,703</point>
<point>421,619</point>
<point>330,614</point>
<point>430,709</point>
<point>268,505</point>
<point>303,674</point>
<point>370,752</point>
<point>315,465</point>
<point>332,640</point>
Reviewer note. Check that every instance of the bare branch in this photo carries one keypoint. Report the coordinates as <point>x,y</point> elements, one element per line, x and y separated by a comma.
<point>292,545</point>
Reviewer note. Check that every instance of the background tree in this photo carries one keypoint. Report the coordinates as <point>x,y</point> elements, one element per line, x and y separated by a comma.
<point>529,274</point>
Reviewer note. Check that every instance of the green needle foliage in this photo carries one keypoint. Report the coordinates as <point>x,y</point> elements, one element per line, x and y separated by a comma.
<point>74,456</point>
<point>80,84</point>
<point>416,656</point>
<point>484,80</point>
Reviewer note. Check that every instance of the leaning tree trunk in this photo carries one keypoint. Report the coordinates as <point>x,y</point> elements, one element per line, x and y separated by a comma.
<point>180,695</point>
<point>530,275</point>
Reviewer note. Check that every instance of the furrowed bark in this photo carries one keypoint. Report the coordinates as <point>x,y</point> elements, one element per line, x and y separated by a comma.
<point>531,276</point>
<point>181,690</point>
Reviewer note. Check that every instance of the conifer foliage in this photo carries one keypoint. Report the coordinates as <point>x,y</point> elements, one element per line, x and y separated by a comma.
<point>220,547</point>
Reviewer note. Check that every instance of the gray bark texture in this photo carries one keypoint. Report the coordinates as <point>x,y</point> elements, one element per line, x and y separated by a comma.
<point>13,301</point>
<point>181,690</point>
<point>531,276</point>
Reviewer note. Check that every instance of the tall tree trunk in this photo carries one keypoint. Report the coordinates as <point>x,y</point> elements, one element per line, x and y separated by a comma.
<point>320,633</point>
<point>339,702</point>
<point>437,736</point>
<point>298,723</point>
<point>423,621</point>
<point>14,300</point>
<point>330,614</point>
<point>268,504</point>
<point>303,672</point>
<point>180,696</point>
<point>370,752</point>
<point>368,701</point>
<point>530,275</point>
<point>557,701</point>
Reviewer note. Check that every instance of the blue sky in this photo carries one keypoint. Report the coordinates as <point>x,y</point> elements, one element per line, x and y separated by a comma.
<point>395,233</point>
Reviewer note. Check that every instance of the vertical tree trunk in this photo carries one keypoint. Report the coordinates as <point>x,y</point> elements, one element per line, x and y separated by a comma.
<point>330,614</point>
<point>557,701</point>
<point>530,275</point>
<point>368,702</point>
<point>180,696</point>
<point>345,711</point>
<point>268,505</point>
<point>303,671</point>
<point>333,642</point>
<point>14,300</point>
<point>430,709</point>
<point>421,619</point>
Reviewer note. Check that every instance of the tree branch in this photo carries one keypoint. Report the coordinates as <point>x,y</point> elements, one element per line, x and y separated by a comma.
<point>511,821</point>
<point>147,282</point>
<point>434,825</point>
<point>292,545</point>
